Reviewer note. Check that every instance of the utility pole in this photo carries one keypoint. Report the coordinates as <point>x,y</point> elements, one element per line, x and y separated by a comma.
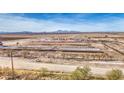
<point>12,65</point>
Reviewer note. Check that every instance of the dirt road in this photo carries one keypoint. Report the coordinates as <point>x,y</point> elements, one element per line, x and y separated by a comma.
<point>20,63</point>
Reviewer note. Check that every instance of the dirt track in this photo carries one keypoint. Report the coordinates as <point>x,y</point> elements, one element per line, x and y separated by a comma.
<point>20,63</point>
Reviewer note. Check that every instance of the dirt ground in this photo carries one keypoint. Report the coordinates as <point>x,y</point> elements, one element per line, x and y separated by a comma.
<point>20,63</point>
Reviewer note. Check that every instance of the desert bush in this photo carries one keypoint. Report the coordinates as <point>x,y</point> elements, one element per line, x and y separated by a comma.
<point>81,73</point>
<point>114,74</point>
<point>29,76</point>
<point>63,76</point>
<point>7,71</point>
<point>1,72</point>
<point>97,77</point>
<point>44,72</point>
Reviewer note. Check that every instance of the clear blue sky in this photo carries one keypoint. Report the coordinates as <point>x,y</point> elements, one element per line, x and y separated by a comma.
<point>38,22</point>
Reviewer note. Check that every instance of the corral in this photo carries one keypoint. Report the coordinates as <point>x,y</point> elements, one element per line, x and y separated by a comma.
<point>93,49</point>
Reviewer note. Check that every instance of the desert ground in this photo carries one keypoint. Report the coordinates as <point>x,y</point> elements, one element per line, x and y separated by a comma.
<point>64,52</point>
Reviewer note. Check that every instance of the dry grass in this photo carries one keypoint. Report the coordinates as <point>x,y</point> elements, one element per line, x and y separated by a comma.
<point>44,74</point>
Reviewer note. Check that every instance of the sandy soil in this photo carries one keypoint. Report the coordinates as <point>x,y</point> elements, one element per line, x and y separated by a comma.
<point>20,63</point>
<point>14,42</point>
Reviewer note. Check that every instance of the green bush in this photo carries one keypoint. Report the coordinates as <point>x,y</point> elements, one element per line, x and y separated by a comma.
<point>114,74</point>
<point>81,73</point>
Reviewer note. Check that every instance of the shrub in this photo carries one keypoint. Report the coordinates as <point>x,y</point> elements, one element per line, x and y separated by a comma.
<point>1,72</point>
<point>7,71</point>
<point>44,72</point>
<point>29,75</point>
<point>81,73</point>
<point>114,74</point>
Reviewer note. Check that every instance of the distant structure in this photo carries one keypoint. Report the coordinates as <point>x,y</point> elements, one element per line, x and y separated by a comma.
<point>1,44</point>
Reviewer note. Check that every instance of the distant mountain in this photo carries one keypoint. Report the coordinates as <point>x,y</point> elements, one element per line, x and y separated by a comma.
<point>23,32</point>
<point>65,31</point>
<point>29,32</point>
<point>57,32</point>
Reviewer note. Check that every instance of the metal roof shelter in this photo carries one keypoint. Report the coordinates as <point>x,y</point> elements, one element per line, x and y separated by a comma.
<point>63,49</point>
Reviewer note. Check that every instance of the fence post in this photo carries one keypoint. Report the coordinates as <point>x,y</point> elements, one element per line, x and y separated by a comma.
<point>12,65</point>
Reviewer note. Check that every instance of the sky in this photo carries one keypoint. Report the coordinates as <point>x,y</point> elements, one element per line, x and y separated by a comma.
<point>48,22</point>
